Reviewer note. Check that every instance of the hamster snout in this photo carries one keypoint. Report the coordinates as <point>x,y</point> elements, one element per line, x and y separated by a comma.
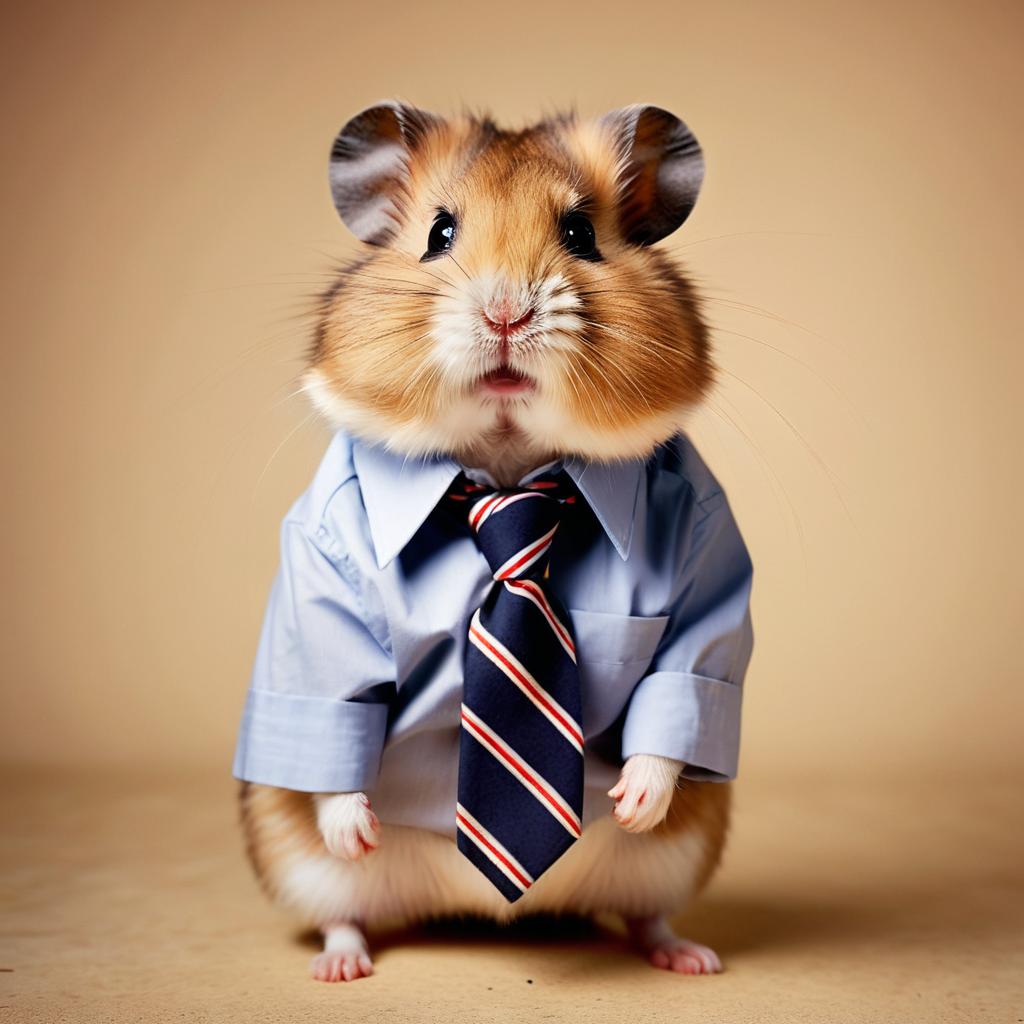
<point>517,329</point>
<point>506,318</point>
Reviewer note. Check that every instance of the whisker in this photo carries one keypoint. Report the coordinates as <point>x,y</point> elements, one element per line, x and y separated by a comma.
<point>344,340</point>
<point>745,234</point>
<point>598,411</point>
<point>833,478</point>
<point>709,295</point>
<point>291,433</point>
<point>774,481</point>
<point>448,252</point>
<point>800,362</point>
<point>623,374</point>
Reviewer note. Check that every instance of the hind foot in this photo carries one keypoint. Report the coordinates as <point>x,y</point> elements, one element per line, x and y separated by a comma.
<point>668,951</point>
<point>345,956</point>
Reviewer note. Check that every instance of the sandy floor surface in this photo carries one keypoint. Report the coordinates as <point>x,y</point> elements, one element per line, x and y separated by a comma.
<point>130,900</point>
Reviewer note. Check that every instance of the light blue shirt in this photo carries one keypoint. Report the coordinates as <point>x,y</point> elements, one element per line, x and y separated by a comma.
<point>357,683</point>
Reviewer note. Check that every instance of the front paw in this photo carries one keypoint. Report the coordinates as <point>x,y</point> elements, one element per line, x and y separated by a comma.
<point>348,825</point>
<point>644,791</point>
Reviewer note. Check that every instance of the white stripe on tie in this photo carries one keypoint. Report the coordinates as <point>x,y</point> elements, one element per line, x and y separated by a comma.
<point>545,793</point>
<point>476,513</point>
<point>525,557</point>
<point>497,653</point>
<point>492,849</point>
<point>531,591</point>
<point>500,506</point>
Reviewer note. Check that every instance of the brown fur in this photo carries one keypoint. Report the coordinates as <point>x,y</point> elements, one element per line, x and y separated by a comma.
<point>279,826</point>
<point>705,807</point>
<point>642,351</point>
<point>632,359</point>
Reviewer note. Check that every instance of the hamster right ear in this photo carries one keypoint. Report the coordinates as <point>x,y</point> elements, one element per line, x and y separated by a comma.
<point>661,169</point>
<point>369,167</point>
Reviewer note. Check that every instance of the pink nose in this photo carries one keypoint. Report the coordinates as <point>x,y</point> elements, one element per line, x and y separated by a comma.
<point>506,319</point>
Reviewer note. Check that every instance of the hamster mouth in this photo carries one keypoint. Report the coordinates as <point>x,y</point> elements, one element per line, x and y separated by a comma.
<point>506,382</point>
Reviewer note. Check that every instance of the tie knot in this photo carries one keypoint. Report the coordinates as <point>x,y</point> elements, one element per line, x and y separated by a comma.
<point>514,527</point>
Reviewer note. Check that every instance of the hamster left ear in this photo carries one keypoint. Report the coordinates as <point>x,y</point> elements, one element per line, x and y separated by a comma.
<point>369,166</point>
<point>661,169</point>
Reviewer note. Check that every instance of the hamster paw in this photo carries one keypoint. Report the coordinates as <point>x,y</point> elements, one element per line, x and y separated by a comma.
<point>345,957</point>
<point>685,957</point>
<point>644,791</point>
<point>348,825</point>
<point>668,951</point>
<point>337,965</point>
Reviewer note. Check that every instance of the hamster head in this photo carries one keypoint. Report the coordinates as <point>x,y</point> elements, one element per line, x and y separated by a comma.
<point>508,295</point>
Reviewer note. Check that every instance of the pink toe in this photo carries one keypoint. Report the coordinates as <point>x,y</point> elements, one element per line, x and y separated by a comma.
<point>659,957</point>
<point>684,963</point>
<point>321,969</point>
<point>711,962</point>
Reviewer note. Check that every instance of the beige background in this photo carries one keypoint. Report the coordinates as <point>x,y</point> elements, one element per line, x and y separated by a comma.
<point>166,222</point>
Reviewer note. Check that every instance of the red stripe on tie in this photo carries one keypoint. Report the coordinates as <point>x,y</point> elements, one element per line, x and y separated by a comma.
<point>543,485</point>
<point>480,838</point>
<point>530,552</point>
<point>483,509</point>
<point>521,768</point>
<point>568,724</point>
<point>548,612</point>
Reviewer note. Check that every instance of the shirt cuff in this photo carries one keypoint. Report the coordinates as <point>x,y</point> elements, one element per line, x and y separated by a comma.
<point>311,744</point>
<point>689,718</point>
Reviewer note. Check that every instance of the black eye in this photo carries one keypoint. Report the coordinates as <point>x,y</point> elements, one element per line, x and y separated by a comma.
<point>578,236</point>
<point>442,234</point>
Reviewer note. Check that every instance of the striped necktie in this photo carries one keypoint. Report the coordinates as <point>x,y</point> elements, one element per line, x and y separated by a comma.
<point>520,794</point>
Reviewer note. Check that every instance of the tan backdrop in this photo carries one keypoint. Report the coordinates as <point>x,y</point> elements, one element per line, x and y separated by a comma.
<point>166,221</point>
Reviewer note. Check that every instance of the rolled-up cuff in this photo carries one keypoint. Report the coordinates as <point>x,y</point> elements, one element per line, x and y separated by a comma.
<point>689,718</point>
<point>312,744</point>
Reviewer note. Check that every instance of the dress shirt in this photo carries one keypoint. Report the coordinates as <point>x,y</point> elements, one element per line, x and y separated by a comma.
<point>357,683</point>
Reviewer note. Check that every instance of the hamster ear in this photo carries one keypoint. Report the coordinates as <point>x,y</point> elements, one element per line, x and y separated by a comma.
<point>369,167</point>
<point>661,168</point>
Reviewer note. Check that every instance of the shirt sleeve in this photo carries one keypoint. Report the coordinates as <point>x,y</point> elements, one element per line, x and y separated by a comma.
<point>316,713</point>
<point>688,706</point>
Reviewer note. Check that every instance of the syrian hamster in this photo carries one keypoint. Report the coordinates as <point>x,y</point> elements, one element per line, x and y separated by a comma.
<point>509,308</point>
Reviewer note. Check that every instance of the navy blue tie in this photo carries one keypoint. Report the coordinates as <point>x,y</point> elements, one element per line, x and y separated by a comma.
<point>520,795</point>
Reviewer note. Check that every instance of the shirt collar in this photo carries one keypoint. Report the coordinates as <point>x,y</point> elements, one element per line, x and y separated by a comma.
<point>399,492</point>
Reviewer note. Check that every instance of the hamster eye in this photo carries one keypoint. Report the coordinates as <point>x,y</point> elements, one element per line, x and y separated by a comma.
<point>442,234</point>
<point>579,237</point>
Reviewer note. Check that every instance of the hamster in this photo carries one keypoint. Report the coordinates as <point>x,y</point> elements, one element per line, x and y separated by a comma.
<point>508,309</point>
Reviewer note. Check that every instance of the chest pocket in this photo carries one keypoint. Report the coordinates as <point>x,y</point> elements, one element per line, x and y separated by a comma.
<point>613,653</point>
